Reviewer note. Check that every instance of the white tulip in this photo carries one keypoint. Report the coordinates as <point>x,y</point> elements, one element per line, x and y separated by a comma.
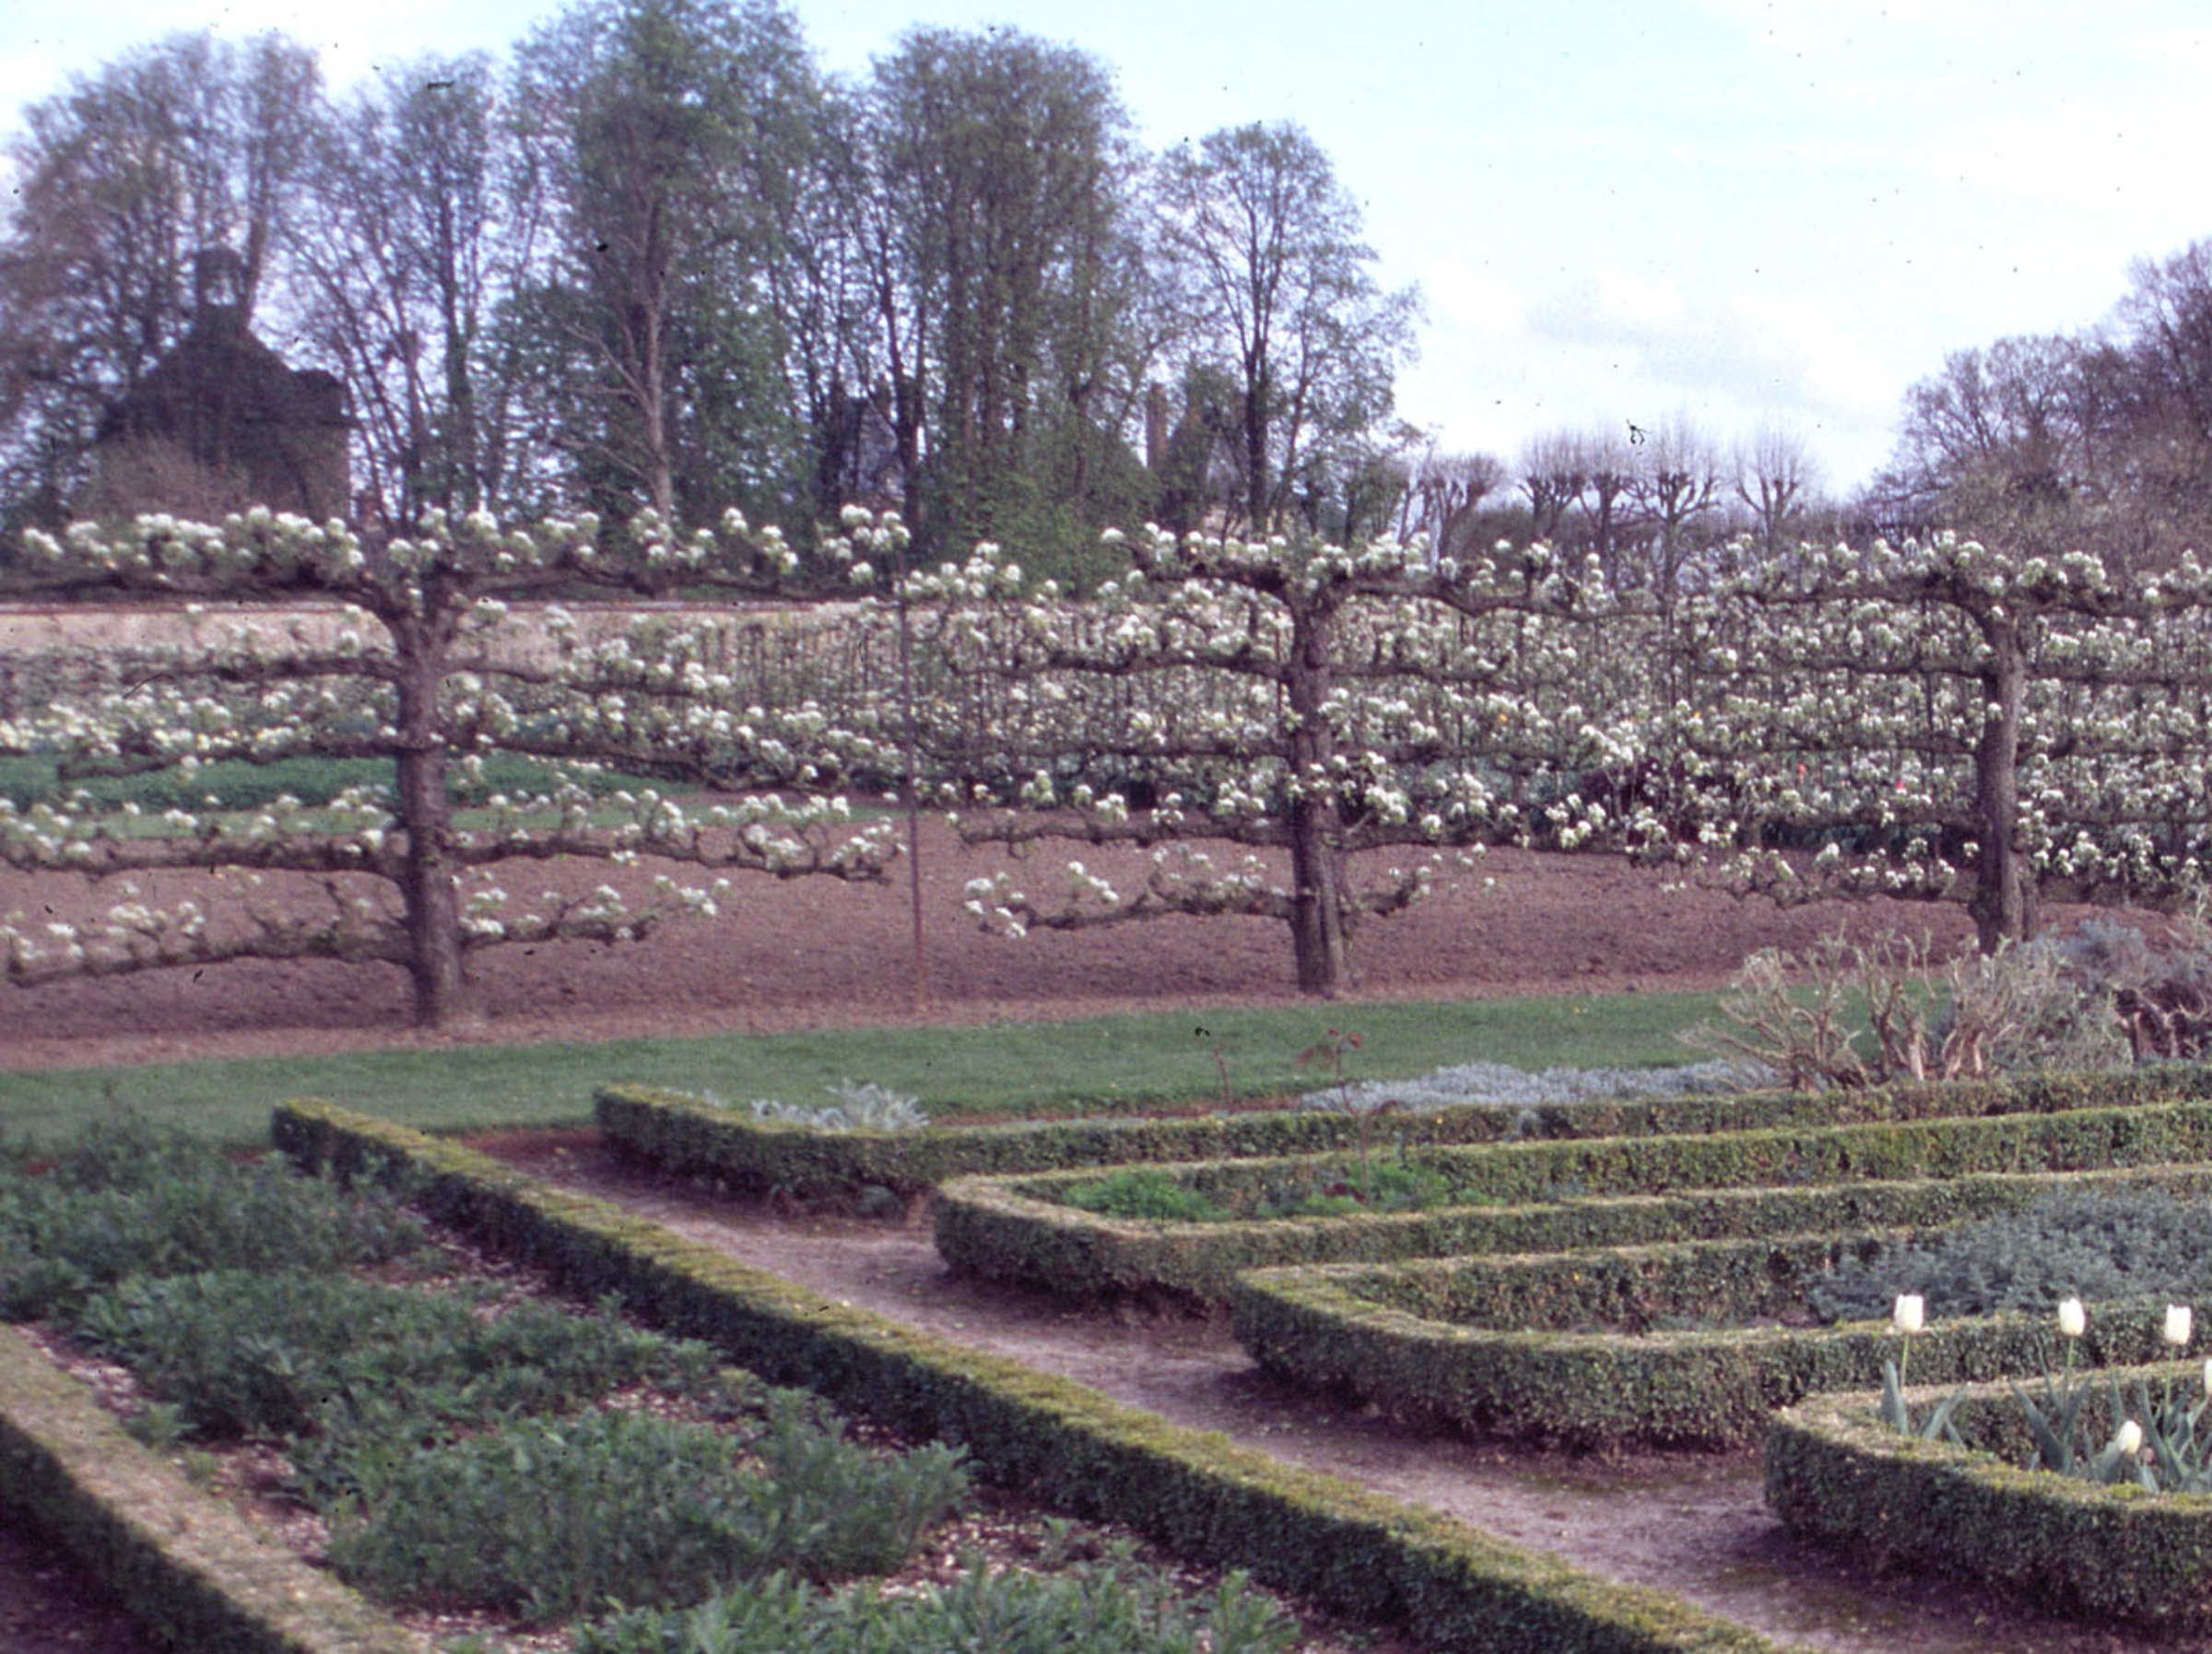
<point>2072,1319</point>
<point>2130,1438</point>
<point>1911,1313</point>
<point>2177,1324</point>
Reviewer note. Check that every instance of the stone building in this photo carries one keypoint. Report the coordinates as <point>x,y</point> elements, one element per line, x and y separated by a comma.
<point>221,424</point>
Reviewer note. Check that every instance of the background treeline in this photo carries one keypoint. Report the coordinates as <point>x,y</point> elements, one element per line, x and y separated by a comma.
<point>658,258</point>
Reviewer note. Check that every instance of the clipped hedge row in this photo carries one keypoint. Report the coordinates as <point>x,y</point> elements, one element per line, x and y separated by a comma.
<point>1837,1474</point>
<point>688,1135</point>
<point>1021,1230</point>
<point>1199,1495</point>
<point>185,1565</point>
<point>1685,1344</point>
<point>991,1227</point>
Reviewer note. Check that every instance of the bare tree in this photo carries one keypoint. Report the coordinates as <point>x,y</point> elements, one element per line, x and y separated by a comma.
<point>1443,492</point>
<point>1265,248</point>
<point>1553,473</point>
<point>1776,479</point>
<point>1679,477</point>
<point>1609,463</point>
<point>412,240</point>
<point>1993,448</point>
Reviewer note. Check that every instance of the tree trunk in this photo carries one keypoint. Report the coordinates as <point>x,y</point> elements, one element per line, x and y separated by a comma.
<point>1316,900</point>
<point>431,900</point>
<point>1317,929</point>
<point>2004,905</point>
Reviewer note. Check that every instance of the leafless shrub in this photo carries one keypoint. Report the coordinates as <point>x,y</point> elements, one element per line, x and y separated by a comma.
<point>1853,1015</point>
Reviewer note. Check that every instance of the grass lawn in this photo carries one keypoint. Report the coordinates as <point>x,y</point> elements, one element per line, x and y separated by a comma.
<point>1012,1068</point>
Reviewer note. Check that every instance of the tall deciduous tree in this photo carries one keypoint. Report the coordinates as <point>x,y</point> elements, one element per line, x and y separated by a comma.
<point>186,145</point>
<point>1778,484</point>
<point>412,240</point>
<point>1010,295</point>
<point>667,133</point>
<point>1992,447</point>
<point>1268,266</point>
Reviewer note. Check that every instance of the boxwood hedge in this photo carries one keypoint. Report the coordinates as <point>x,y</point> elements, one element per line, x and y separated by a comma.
<point>1689,1344</point>
<point>185,1565</point>
<point>1198,1495</point>
<point>692,1136</point>
<point>1539,1195</point>
<point>1837,1474</point>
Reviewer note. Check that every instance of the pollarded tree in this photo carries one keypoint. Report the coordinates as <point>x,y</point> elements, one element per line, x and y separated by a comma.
<point>419,666</point>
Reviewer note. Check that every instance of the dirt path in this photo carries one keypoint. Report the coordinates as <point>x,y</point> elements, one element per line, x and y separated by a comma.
<point>1692,1524</point>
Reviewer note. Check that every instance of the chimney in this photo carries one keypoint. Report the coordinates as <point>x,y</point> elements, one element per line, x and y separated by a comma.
<point>219,287</point>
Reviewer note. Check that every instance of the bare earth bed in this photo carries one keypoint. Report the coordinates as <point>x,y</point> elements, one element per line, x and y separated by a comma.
<point>813,953</point>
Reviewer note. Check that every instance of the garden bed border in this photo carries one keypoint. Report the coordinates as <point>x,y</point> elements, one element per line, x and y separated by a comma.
<point>1836,1474</point>
<point>1020,1229</point>
<point>1197,1493</point>
<point>686,1135</point>
<point>188,1567</point>
<point>1535,1371</point>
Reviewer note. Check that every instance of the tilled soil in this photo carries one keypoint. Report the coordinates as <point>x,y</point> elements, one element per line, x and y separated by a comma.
<point>817,953</point>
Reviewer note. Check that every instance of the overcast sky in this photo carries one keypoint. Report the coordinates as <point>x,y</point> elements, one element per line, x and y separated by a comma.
<point>1735,211</point>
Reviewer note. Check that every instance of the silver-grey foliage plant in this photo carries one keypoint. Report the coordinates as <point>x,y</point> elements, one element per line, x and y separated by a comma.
<point>1496,1085</point>
<point>862,1108</point>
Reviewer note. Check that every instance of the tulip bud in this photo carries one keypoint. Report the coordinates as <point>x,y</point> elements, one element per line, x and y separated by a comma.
<point>2130,1438</point>
<point>1911,1313</point>
<point>2208,1378</point>
<point>2177,1324</point>
<point>2072,1319</point>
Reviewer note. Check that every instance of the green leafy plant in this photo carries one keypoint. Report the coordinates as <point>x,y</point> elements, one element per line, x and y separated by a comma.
<point>1113,1610</point>
<point>1395,1185</point>
<point>1145,1193</point>
<point>2056,1420</point>
<point>558,1517</point>
<point>2157,1445</point>
<point>127,1198</point>
<point>2096,1245</point>
<point>237,1353</point>
<point>1907,1316</point>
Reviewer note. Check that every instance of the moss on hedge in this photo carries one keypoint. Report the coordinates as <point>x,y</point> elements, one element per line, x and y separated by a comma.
<point>1199,1495</point>
<point>1590,1347</point>
<point>688,1135</point>
<point>1835,1474</point>
<point>185,1565</point>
